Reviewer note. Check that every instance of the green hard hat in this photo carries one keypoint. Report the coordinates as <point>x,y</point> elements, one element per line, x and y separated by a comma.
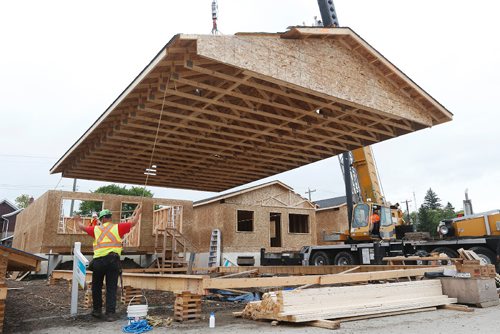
<point>104,212</point>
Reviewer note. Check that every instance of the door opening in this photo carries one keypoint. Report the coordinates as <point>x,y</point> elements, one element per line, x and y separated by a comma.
<point>275,229</point>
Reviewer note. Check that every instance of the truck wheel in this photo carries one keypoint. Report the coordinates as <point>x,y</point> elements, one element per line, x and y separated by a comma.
<point>320,259</point>
<point>448,251</point>
<point>344,259</point>
<point>485,254</point>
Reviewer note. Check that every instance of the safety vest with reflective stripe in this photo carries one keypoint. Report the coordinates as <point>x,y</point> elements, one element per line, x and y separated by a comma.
<point>107,240</point>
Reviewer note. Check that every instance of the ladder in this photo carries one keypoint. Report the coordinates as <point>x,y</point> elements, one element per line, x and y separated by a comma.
<point>61,228</point>
<point>214,252</point>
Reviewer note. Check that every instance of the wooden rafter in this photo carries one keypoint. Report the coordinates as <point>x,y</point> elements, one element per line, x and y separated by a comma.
<point>220,114</point>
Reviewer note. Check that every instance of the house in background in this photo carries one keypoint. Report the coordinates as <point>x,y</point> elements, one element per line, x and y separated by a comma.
<point>8,216</point>
<point>270,216</point>
<point>331,217</point>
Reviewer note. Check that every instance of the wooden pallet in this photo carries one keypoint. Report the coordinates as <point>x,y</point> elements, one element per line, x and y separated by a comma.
<point>187,307</point>
<point>131,296</point>
<point>87,300</point>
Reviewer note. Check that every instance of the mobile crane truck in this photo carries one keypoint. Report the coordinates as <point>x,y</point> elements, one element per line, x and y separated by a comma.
<point>480,233</point>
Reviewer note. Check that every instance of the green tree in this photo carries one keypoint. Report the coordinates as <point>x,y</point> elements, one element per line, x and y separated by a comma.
<point>22,201</point>
<point>431,213</point>
<point>87,207</point>
<point>449,211</point>
<point>431,200</point>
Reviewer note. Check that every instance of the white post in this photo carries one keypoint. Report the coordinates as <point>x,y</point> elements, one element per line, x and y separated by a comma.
<point>79,273</point>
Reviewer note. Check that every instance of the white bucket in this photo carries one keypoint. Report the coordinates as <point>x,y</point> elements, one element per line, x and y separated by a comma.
<point>137,312</point>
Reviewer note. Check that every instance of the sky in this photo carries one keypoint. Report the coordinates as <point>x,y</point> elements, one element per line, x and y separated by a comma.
<point>62,63</point>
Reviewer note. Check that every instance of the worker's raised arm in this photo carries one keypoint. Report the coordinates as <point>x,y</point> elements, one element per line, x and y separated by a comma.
<point>136,216</point>
<point>79,222</point>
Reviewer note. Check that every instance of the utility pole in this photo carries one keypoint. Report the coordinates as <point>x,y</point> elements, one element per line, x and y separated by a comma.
<point>408,209</point>
<point>308,192</point>
<point>415,224</point>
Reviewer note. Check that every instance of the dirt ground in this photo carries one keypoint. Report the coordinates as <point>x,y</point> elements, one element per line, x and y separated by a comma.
<point>40,308</point>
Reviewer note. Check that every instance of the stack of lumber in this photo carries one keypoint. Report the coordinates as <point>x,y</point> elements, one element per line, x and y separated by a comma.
<point>187,306</point>
<point>308,305</point>
<point>474,265</point>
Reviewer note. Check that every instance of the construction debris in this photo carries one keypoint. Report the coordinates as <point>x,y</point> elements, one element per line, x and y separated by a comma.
<point>157,321</point>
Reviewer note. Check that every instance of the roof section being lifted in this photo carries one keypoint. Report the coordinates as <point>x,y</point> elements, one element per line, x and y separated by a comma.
<point>228,110</point>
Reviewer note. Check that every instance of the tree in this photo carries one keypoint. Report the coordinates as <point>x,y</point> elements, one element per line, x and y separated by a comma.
<point>87,207</point>
<point>22,201</point>
<point>431,200</point>
<point>449,211</point>
<point>431,213</point>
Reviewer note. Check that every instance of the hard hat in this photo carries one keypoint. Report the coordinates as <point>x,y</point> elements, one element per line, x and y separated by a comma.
<point>104,212</point>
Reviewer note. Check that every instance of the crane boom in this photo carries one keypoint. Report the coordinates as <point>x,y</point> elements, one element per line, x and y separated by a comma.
<point>369,183</point>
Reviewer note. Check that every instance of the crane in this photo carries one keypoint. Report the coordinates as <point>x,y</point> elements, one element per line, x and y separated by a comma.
<point>362,182</point>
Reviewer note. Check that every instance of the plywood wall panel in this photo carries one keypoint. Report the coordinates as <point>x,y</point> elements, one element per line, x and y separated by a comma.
<point>325,66</point>
<point>40,221</point>
<point>331,220</point>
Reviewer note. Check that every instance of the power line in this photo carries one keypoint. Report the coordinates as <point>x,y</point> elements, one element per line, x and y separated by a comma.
<point>26,156</point>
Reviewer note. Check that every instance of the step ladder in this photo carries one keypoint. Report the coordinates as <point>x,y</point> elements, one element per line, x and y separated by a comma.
<point>214,252</point>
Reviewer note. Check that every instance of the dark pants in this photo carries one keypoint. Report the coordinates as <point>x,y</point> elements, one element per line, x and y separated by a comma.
<point>376,228</point>
<point>107,266</point>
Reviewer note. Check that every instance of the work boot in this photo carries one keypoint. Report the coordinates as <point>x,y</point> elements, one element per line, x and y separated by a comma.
<point>110,317</point>
<point>97,314</point>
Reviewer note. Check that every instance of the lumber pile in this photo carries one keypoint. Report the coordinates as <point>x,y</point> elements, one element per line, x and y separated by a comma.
<point>309,305</point>
<point>472,264</point>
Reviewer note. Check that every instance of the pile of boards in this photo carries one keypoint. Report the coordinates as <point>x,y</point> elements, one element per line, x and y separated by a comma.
<point>472,264</point>
<point>307,305</point>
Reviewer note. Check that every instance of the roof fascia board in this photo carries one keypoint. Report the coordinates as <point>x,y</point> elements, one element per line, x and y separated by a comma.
<point>9,203</point>
<point>331,207</point>
<point>239,192</point>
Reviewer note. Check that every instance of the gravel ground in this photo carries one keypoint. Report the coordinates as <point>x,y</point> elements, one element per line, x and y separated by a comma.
<point>40,308</point>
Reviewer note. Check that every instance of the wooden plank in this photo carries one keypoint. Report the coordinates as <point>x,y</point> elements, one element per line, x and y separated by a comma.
<point>242,273</point>
<point>164,282</point>
<point>457,307</point>
<point>380,315</point>
<point>316,270</point>
<point>217,283</point>
<point>326,324</point>
<point>369,308</point>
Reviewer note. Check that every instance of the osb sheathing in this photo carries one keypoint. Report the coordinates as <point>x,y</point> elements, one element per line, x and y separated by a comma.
<point>263,202</point>
<point>39,222</point>
<point>337,71</point>
<point>329,221</point>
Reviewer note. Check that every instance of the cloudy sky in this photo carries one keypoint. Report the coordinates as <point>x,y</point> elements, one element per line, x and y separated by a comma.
<point>63,62</point>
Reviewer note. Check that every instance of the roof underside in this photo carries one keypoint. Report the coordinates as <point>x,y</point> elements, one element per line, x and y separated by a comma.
<point>215,112</point>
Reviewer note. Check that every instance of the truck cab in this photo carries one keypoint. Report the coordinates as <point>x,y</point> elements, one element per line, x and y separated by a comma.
<point>362,228</point>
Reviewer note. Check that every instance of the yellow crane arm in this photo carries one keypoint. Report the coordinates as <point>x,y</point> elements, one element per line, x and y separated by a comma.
<point>368,179</point>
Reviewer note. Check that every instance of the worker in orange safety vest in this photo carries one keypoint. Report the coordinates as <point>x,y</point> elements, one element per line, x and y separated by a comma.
<point>106,262</point>
<point>375,222</point>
